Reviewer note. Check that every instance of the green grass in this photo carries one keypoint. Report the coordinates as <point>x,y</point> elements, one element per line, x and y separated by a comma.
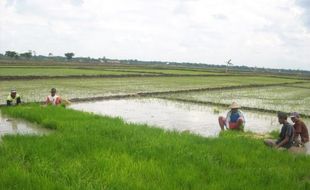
<point>87,151</point>
<point>37,90</point>
<point>280,98</point>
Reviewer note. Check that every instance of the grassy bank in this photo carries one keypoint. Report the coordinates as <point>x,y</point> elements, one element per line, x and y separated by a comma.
<point>87,151</point>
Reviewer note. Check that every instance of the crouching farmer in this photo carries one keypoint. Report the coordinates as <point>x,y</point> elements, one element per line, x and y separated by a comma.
<point>53,99</point>
<point>13,99</point>
<point>301,135</point>
<point>286,135</point>
<point>234,119</point>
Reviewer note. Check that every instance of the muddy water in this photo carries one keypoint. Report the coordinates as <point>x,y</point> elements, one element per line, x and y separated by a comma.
<point>17,126</point>
<point>171,115</point>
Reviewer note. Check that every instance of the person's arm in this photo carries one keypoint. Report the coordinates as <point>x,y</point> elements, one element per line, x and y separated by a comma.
<point>242,116</point>
<point>228,118</point>
<point>297,130</point>
<point>289,132</point>
<point>58,100</point>
<point>18,101</point>
<point>283,142</point>
<point>47,101</point>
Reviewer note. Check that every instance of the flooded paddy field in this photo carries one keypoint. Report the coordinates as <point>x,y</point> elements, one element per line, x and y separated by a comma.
<point>172,115</point>
<point>37,90</point>
<point>279,98</point>
<point>13,126</point>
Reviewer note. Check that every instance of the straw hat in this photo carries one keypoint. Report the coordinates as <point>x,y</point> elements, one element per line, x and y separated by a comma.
<point>234,105</point>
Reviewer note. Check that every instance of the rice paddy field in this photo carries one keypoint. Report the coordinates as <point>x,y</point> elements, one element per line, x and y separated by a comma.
<point>83,150</point>
<point>37,90</point>
<point>39,71</point>
<point>279,98</point>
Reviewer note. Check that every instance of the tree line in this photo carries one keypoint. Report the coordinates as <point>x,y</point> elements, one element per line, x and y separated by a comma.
<point>30,54</point>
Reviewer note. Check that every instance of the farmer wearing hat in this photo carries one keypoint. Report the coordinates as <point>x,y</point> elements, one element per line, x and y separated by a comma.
<point>234,120</point>
<point>53,99</point>
<point>286,135</point>
<point>301,135</point>
<point>13,98</point>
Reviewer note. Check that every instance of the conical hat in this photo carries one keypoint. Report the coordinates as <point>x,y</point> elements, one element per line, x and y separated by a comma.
<point>234,105</point>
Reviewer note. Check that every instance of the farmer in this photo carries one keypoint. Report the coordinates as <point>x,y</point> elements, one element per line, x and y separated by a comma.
<point>53,99</point>
<point>301,135</point>
<point>13,98</point>
<point>286,135</point>
<point>234,120</point>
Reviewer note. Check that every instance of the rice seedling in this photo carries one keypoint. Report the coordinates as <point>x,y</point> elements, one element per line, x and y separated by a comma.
<point>88,151</point>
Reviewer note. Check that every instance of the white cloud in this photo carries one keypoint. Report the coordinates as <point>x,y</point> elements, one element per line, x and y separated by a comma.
<point>265,33</point>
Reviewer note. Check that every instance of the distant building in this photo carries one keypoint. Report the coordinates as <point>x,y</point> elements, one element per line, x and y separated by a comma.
<point>114,61</point>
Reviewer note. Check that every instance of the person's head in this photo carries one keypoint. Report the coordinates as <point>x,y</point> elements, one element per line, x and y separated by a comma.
<point>282,117</point>
<point>13,93</point>
<point>234,107</point>
<point>294,116</point>
<point>53,91</point>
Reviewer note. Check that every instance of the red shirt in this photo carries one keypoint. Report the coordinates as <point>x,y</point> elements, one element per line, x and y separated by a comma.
<point>301,129</point>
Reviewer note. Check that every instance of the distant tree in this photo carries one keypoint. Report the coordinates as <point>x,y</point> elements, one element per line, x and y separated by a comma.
<point>27,55</point>
<point>50,54</point>
<point>69,55</point>
<point>11,54</point>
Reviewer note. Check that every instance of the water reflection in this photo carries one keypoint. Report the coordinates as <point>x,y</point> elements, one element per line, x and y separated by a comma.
<point>17,126</point>
<point>171,115</point>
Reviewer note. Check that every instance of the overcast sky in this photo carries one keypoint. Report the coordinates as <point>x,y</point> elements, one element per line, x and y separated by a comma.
<point>262,33</point>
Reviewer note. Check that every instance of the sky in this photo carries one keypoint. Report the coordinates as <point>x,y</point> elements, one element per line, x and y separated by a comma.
<point>261,33</point>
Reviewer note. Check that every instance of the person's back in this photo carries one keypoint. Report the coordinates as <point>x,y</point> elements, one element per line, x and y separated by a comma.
<point>301,135</point>
<point>287,131</point>
<point>301,131</point>
<point>286,136</point>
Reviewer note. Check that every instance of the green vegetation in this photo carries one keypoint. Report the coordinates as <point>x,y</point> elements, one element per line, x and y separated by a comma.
<point>87,151</point>
<point>173,71</point>
<point>280,98</point>
<point>303,85</point>
<point>37,90</point>
<point>39,71</point>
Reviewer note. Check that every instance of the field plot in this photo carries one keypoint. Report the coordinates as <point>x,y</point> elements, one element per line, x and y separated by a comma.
<point>173,71</point>
<point>280,98</point>
<point>39,71</point>
<point>301,85</point>
<point>37,90</point>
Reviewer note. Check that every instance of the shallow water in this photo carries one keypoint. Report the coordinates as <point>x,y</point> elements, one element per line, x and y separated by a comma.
<point>171,115</point>
<point>17,126</point>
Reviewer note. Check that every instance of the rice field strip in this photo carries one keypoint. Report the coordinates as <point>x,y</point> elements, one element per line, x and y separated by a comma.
<point>16,78</point>
<point>303,87</point>
<point>146,94</point>
<point>226,105</point>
